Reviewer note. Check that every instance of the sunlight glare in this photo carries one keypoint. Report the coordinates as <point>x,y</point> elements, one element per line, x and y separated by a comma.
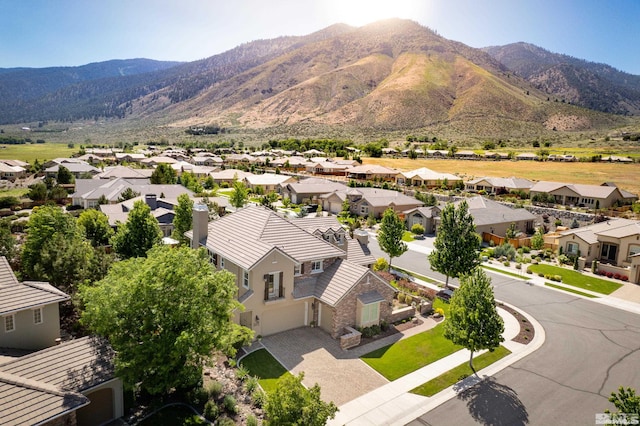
<point>362,12</point>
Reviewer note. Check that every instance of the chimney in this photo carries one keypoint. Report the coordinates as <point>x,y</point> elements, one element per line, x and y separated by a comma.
<point>200,221</point>
<point>151,201</point>
<point>361,236</point>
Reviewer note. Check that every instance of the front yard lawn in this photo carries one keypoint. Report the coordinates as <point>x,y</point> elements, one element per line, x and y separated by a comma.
<point>412,353</point>
<point>453,376</point>
<point>576,279</point>
<point>407,237</point>
<point>502,271</point>
<point>265,367</point>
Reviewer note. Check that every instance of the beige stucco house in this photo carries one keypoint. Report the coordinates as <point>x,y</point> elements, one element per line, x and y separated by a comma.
<point>368,201</point>
<point>287,277</point>
<point>427,178</point>
<point>493,185</point>
<point>614,243</point>
<point>425,216</point>
<point>591,196</point>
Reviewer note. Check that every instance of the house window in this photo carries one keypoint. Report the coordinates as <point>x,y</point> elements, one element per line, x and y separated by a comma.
<point>364,209</point>
<point>370,314</point>
<point>245,279</point>
<point>9,323</point>
<point>221,262</point>
<point>273,286</point>
<point>316,266</point>
<point>213,258</point>
<point>573,248</point>
<point>609,252</point>
<point>297,270</point>
<point>37,316</point>
<point>633,249</point>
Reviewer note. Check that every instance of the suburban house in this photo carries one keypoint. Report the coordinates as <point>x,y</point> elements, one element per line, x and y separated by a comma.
<point>161,210</point>
<point>129,157</point>
<point>124,172</point>
<point>42,381</point>
<point>372,172</point>
<point>368,201</point>
<point>159,159</point>
<point>427,177</point>
<point>527,156</point>
<point>310,189</point>
<point>269,182</point>
<point>90,192</point>
<point>425,216</point>
<point>10,172</point>
<point>591,196</point>
<point>493,185</point>
<point>229,176</point>
<point>287,277</point>
<point>290,163</point>
<point>327,168</point>
<point>29,311</point>
<point>76,169</point>
<point>614,244</point>
<point>491,217</point>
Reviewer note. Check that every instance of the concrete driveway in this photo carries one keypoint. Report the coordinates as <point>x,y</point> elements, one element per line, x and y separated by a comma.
<point>342,376</point>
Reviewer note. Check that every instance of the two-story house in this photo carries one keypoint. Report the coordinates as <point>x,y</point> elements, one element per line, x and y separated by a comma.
<point>287,277</point>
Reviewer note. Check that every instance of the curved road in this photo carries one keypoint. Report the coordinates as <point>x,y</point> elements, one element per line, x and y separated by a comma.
<point>590,350</point>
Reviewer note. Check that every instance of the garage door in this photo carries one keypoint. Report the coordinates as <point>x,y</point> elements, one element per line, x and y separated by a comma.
<point>284,318</point>
<point>99,411</point>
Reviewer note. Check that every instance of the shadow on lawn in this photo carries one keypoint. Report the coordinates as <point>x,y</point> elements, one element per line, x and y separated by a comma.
<point>491,403</point>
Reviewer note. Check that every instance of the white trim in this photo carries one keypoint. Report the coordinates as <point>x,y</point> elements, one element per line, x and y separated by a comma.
<point>38,309</point>
<point>13,323</point>
<point>316,270</point>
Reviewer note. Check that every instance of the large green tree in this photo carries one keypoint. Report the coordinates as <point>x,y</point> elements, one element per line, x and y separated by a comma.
<point>390,235</point>
<point>8,246</point>
<point>627,403</point>
<point>239,195</point>
<point>456,243</point>
<point>294,405</point>
<point>163,315</point>
<point>64,176</point>
<point>96,227</point>
<point>473,320</point>
<point>138,234</point>
<point>163,174</point>
<point>182,221</point>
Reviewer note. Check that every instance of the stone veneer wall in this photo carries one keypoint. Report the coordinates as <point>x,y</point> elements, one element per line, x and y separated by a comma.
<point>345,312</point>
<point>66,420</point>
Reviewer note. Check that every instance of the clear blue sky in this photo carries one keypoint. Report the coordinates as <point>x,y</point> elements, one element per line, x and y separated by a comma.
<point>41,33</point>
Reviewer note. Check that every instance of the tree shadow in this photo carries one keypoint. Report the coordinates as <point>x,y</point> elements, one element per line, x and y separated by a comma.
<point>491,403</point>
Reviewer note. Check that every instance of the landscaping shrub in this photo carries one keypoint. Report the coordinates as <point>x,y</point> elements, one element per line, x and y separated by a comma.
<point>258,397</point>
<point>507,263</point>
<point>230,405</point>
<point>252,421</point>
<point>198,396</point>
<point>381,265</point>
<point>226,421</point>
<point>214,389</point>
<point>417,229</point>
<point>370,331</point>
<point>540,274</point>
<point>211,411</point>
<point>401,297</point>
<point>518,266</point>
<point>416,289</point>
<point>506,250</point>
<point>242,372</point>
<point>251,384</point>
<point>526,249</point>
<point>624,278</point>
<point>609,274</point>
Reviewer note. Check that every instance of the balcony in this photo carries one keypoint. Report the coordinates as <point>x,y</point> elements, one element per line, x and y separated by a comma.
<point>274,295</point>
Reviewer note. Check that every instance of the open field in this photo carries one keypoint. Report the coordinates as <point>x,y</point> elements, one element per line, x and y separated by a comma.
<point>39,151</point>
<point>626,176</point>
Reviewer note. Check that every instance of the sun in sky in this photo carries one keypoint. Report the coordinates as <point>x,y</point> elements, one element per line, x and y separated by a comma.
<point>362,12</point>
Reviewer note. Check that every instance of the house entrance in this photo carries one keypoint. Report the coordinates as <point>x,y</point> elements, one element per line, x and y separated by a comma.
<point>246,319</point>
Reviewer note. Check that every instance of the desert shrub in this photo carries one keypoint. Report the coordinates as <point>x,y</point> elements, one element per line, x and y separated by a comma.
<point>241,372</point>
<point>417,290</point>
<point>529,271</point>
<point>198,396</point>
<point>230,405</point>
<point>211,410</point>
<point>252,421</point>
<point>526,249</point>
<point>408,299</point>
<point>214,389</point>
<point>506,263</point>
<point>258,398</point>
<point>564,259</point>
<point>251,384</point>
<point>417,229</point>
<point>518,266</point>
<point>506,250</point>
<point>226,421</point>
<point>401,297</point>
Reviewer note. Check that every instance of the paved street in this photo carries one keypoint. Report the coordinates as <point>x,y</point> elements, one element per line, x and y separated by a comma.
<point>590,350</point>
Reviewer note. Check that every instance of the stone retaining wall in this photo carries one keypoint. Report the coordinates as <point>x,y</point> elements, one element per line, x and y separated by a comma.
<point>350,339</point>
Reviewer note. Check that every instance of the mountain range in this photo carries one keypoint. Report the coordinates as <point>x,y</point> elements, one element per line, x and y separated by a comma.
<point>388,76</point>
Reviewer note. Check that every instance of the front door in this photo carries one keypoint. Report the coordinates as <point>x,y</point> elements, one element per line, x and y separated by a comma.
<point>246,319</point>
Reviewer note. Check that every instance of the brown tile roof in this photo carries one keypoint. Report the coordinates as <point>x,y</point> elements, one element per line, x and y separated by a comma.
<point>337,280</point>
<point>15,296</point>
<point>46,384</point>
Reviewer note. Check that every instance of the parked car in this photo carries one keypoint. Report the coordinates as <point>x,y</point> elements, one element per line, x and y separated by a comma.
<point>445,294</point>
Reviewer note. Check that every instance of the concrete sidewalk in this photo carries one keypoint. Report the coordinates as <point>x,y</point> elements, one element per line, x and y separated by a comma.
<point>392,403</point>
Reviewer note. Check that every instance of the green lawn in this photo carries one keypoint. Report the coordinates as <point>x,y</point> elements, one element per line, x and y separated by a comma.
<point>173,415</point>
<point>39,151</point>
<point>14,192</point>
<point>570,290</point>
<point>453,376</point>
<point>576,279</point>
<point>512,274</point>
<point>412,353</point>
<point>265,367</point>
<point>407,237</point>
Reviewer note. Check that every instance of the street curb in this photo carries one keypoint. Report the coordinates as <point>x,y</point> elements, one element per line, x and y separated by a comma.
<point>452,391</point>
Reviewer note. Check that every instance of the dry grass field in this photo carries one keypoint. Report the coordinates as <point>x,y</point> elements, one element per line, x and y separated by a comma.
<point>626,176</point>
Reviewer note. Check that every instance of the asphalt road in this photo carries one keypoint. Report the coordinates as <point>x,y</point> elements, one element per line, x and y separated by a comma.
<point>590,350</point>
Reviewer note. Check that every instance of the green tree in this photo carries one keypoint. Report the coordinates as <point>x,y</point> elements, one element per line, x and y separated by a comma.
<point>127,194</point>
<point>390,235</point>
<point>456,243</point>
<point>64,176</point>
<point>512,231</point>
<point>38,191</point>
<point>163,315</point>
<point>239,195</point>
<point>627,403</point>
<point>138,234</point>
<point>182,221</point>
<point>8,247</point>
<point>292,404</point>
<point>537,240</point>
<point>96,227</point>
<point>65,262</point>
<point>473,320</point>
<point>163,175</point>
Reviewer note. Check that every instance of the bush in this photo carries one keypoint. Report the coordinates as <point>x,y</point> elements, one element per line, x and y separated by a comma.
<point>401,297</point>
<point>624,278</point>
<point>251,384</point>
<point>507,263</point>
<point>214,389</point>
<point>529,271</point>
<point>417,229</point>
<point>506,250</point>
<point>526,249</point>
<point>198,396</point>
<point>518,266</point>
<point>440,311</point>
<point>241,372</point>
<point>252,421</point>
<point>381,264</point>
<point>211,411</point>
<point>616,276</point>
<point>230,405</point>
<point>609,274</point>
<point>258,397</point>
<point>226,421</point>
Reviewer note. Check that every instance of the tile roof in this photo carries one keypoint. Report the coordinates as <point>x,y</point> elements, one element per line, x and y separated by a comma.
<point>16,296</point>
<point>337,280</point>
<point>615,228</point>
<point>245,245</point>
<point>595,191</point>
<point>359,253</point>
<point>510,182</point>
<point>316,186</point>
<point>488,212</point>
<point>428,174</point>
<point>45,384</point>
<point>377,197</point>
